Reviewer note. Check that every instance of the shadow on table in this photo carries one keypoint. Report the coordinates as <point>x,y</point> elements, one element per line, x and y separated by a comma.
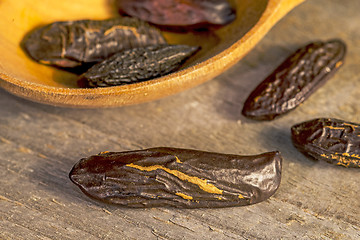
<point>238,82</point>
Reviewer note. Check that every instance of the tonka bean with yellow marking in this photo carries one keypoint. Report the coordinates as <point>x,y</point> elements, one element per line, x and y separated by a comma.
<point>299,76</point>
<point>332,140</point>
<point>71,44</point>
<point>173,177</point>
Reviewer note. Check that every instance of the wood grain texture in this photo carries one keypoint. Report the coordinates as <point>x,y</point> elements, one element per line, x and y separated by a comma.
<point>39,144</point>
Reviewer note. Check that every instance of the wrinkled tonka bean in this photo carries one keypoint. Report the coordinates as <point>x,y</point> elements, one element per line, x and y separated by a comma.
<point>136,65</point>
<point>179,13</point>
<point>73,43</point>
<point>171,177</point>
<point>295,80</point>
<point>332,140</point>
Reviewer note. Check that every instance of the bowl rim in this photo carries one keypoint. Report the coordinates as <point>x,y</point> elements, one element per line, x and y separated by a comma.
<point>202,71</point>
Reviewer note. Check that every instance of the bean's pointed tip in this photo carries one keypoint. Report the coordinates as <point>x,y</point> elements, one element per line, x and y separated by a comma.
<point>300,132</point>
<point>76,174</point>
<point>191,50</point>
<point>73,175</point>
<point>250,112</point>
<point>195,49</point>
<point>271,172</point>
<point>277,160</point>
<point>225,14</point>
<point>277,156</point>
<point>341,44</point>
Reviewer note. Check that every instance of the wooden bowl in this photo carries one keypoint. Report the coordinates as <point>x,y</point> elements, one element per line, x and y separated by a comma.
<point>221,48</point>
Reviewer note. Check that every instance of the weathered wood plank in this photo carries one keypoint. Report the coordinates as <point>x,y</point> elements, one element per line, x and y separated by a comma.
<point>39,145</point>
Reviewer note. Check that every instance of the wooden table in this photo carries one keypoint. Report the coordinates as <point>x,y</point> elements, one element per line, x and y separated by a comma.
<point>39,144</point>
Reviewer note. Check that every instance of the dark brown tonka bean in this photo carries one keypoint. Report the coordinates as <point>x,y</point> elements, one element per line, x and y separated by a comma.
<point>179,13</point>
<point>332,140</point>
<point>295,80</point>
<point>136,65</point>
<point>171,177</point>
<point>73,43</point>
